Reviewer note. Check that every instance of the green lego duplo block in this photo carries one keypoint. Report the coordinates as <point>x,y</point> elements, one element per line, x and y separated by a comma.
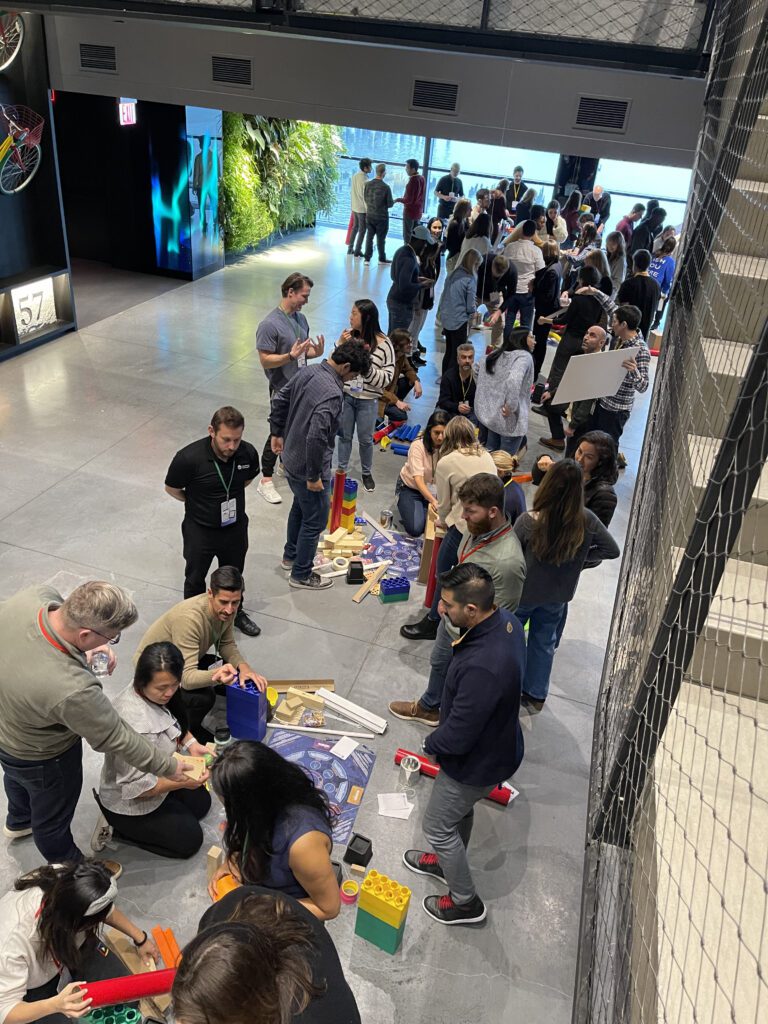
<point>377,932</point>
<point>119,1014</point>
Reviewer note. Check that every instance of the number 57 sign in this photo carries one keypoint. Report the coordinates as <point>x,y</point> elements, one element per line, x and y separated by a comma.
<point>34,306</point>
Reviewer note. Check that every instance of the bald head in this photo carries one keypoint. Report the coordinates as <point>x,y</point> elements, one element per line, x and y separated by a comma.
<point>594,339</point>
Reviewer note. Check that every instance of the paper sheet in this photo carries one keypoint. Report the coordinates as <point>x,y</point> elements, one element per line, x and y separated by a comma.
<point>344,747</point>
<point>596,375</point>
<point>395,805</point>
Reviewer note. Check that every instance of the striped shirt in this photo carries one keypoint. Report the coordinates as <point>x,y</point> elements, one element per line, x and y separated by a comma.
<point>635,380</point>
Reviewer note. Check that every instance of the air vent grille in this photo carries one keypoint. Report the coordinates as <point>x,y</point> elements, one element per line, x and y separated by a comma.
<point>442,97</point>
<point>602,115</point>
<point>232,71</point>
<point>94,57</point>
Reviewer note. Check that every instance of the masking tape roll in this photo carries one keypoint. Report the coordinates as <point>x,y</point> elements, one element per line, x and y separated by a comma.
<point>349,891</point>
<point>340,563</point>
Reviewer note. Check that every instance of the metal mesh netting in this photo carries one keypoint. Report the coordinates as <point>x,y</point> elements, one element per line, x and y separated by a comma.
<point>675,906</point>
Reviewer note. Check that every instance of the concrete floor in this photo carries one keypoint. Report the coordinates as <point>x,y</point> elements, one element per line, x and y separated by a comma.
<point>89,425</point>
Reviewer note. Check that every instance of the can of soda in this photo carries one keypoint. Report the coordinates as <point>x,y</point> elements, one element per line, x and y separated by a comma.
<point>385,518</point>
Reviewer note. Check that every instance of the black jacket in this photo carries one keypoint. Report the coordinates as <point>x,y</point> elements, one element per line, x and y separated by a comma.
<point>405,276</point>
<point>487,283</point>
<point>547,286</point>
<point>452,391</point>
<point>599,496</point>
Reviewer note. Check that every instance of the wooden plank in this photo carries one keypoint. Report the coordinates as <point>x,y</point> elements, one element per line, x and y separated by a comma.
<point>369,584</point>
<point>284,685</point>
<point>379,528</point>
<point>197,764</point>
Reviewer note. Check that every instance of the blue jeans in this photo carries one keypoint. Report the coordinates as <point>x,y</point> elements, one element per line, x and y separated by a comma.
<point>360,412</point>
<point>522,304</point>
<point>446,559</point>
<point>544,621</point>
<point>43,795</point>
<point>400,314</point>
<point>501,443</point>
<point>439,660</point>
<point>306,522</point>
<point>412,508</point>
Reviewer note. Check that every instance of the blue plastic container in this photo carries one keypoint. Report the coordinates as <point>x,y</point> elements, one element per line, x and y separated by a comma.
<point>246,712</point>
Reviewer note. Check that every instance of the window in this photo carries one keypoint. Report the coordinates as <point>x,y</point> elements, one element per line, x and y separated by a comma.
<point>631,183</point>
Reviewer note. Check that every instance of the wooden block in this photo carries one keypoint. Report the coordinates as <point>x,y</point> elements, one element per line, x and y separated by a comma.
<point>308,699</point>
<point>429,543</point>
<point>335,537</point>
<point>379,528</point>
<point>295,700</point>
<point>196,763</point>
<point>213,861</point>
<point>124,950</point>
<point>358,869</point>
<point>366,587</point>
<point>284,685</point>
<point>283,713</point>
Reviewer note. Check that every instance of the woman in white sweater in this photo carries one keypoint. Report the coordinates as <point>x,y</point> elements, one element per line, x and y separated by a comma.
<point>461,457</point>
<point>361,395</point>
<point>503,397</point>
<point>415,490</point>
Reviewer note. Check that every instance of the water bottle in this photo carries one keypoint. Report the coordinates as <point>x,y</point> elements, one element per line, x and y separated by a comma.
<point>221,739</point>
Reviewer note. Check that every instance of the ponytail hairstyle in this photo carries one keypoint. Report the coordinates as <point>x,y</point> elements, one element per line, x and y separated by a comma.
<point>516,341</point>
<point>69,890</point>
<point>559,527</point>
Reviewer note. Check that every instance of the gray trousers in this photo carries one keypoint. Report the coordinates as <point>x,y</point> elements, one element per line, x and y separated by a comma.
<point>447,826</point>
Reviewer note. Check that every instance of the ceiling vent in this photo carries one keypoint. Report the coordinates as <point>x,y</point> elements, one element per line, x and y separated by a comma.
<point>437,97</point>
<point>602,115</point>
<point>232,71</point>
<point>94,57</point>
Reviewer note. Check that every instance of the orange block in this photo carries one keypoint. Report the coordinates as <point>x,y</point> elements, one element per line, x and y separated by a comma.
<point>224,885</point>
<point>173,948</point>
<point>162,944</point>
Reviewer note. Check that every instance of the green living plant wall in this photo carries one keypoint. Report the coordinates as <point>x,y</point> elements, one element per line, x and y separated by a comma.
<point>278,175</point>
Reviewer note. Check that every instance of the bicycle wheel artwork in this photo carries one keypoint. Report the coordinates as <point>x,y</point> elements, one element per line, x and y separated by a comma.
<point>11,37</point>
<point>19,169</point>
<point>19,166</point>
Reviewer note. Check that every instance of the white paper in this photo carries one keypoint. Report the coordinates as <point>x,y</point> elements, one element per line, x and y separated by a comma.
<point>596,375</point>
<point>344,747</point>
<point>395,805</point>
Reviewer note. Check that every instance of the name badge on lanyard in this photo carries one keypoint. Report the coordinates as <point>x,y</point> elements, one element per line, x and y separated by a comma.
<point>229,505</point>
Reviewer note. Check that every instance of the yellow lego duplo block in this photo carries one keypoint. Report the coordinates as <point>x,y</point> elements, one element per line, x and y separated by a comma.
<point>385,899</point>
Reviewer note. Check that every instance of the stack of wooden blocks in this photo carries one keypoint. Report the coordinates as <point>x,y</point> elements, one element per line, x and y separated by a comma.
<point>342,544</point>
<point>382,911</point>
<point>295,703</point>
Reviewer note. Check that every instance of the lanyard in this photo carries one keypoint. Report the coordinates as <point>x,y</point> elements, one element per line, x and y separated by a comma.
<point>52,640</point>
<point>221,476</point>
<point>217,640</point>
<point>484,544</point>
<point>294,323</point>
<point>515,190</point>
<point>464,390</point>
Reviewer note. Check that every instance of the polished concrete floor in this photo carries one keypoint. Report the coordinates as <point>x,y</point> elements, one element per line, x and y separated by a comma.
<point>88,425</point>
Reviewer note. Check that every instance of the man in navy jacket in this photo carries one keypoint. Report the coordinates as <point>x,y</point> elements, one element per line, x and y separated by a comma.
<point>478,743</point>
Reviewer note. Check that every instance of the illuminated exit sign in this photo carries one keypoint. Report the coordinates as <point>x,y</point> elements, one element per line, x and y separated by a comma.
<point>127,111</point>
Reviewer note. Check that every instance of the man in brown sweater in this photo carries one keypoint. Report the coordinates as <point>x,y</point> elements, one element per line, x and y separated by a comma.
<point>196,625</point>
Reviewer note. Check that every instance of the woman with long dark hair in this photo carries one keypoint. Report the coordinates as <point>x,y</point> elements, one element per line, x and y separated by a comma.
<point>503,396</point>
<point>362,394</point>
<point>570,214</point>
<point>596,453</point>
<point>49,923</point>
<point>558,536</point>
<point>278,827</point>
<point>260,958</point>
<point>616,251</point>
<point>413,485</point>
<point>158,815</point>
<point>430,262</point>
<point>457,228</point>
<point>547,286</point>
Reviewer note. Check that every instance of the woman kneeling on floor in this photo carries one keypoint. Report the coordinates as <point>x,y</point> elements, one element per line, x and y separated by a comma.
<point>278,827</point>
<point>413,485</point>
<point>49,926</point>
<point>159,815</point>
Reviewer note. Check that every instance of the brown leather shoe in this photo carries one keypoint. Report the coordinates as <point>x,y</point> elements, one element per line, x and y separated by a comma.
<point>414,711</point>
<point>550,442</point>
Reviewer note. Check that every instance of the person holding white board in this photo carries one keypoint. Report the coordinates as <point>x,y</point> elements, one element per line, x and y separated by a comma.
<point>612,412</point>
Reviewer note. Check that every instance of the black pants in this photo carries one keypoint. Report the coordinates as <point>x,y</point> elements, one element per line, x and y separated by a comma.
<point>268,457</point>
<point>555,418</point>
<point>357,237</point>
<point>541,334</point>
<point>44,795</point>
<point>171,830</point>
<point>379,228</point>
<point>452,341</point>
<point>609,421</point>
<point>227,544</point>
<point>97,963</point>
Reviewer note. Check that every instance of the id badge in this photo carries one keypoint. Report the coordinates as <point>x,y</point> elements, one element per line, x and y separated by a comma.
<point>356,386</point>
<point>302,360</point>
<point>228,512</point>
<point>219,663</point>
<point>513,207</point>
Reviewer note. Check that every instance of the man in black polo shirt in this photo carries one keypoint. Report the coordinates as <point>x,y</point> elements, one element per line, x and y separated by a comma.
<point>449,189</point>
<point>210,477</point>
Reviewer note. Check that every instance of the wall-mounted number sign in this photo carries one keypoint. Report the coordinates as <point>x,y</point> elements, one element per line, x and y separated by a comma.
<point>33,306</point>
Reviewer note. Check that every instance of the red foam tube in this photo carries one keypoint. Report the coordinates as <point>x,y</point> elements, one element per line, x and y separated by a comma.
<point>338,499</point>
<point>385,431</point>
<point>499,795</point>
<point>432,578</point>
<point>131,988</point>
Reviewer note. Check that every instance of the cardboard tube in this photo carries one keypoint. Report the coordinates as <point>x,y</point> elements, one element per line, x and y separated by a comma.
<point>129,989</point>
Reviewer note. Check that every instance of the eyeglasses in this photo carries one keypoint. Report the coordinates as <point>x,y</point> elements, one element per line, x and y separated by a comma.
<point>111,640</point>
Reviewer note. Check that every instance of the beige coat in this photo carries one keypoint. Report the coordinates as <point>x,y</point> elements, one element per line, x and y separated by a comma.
<point>452,471</point>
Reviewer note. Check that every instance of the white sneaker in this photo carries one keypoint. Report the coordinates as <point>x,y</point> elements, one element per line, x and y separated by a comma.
<point>16,833</point>
<point>102,834</point>
<point>269,492</point>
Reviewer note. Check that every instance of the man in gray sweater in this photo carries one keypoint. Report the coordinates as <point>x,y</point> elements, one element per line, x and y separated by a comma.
<point>51,701</point>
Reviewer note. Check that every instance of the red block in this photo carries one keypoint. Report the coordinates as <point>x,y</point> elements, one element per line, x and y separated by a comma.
<point>499,795</point>
<point>128,990</point>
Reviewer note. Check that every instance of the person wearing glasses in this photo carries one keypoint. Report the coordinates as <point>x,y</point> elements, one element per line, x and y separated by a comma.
<point>52,701</point>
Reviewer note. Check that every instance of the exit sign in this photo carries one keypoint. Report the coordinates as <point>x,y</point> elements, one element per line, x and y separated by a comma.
<point>127,111</point>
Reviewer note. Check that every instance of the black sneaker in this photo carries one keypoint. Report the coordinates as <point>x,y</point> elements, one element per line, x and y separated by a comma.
<point>424,629</point>
<point>445,911</point>
<point>313,582</point>
<point>532,706</point>
<point>539,410</point>
<point>368,482</point>
<point>246,624</point>
<point>423,864</point>
<point>385,262</point>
